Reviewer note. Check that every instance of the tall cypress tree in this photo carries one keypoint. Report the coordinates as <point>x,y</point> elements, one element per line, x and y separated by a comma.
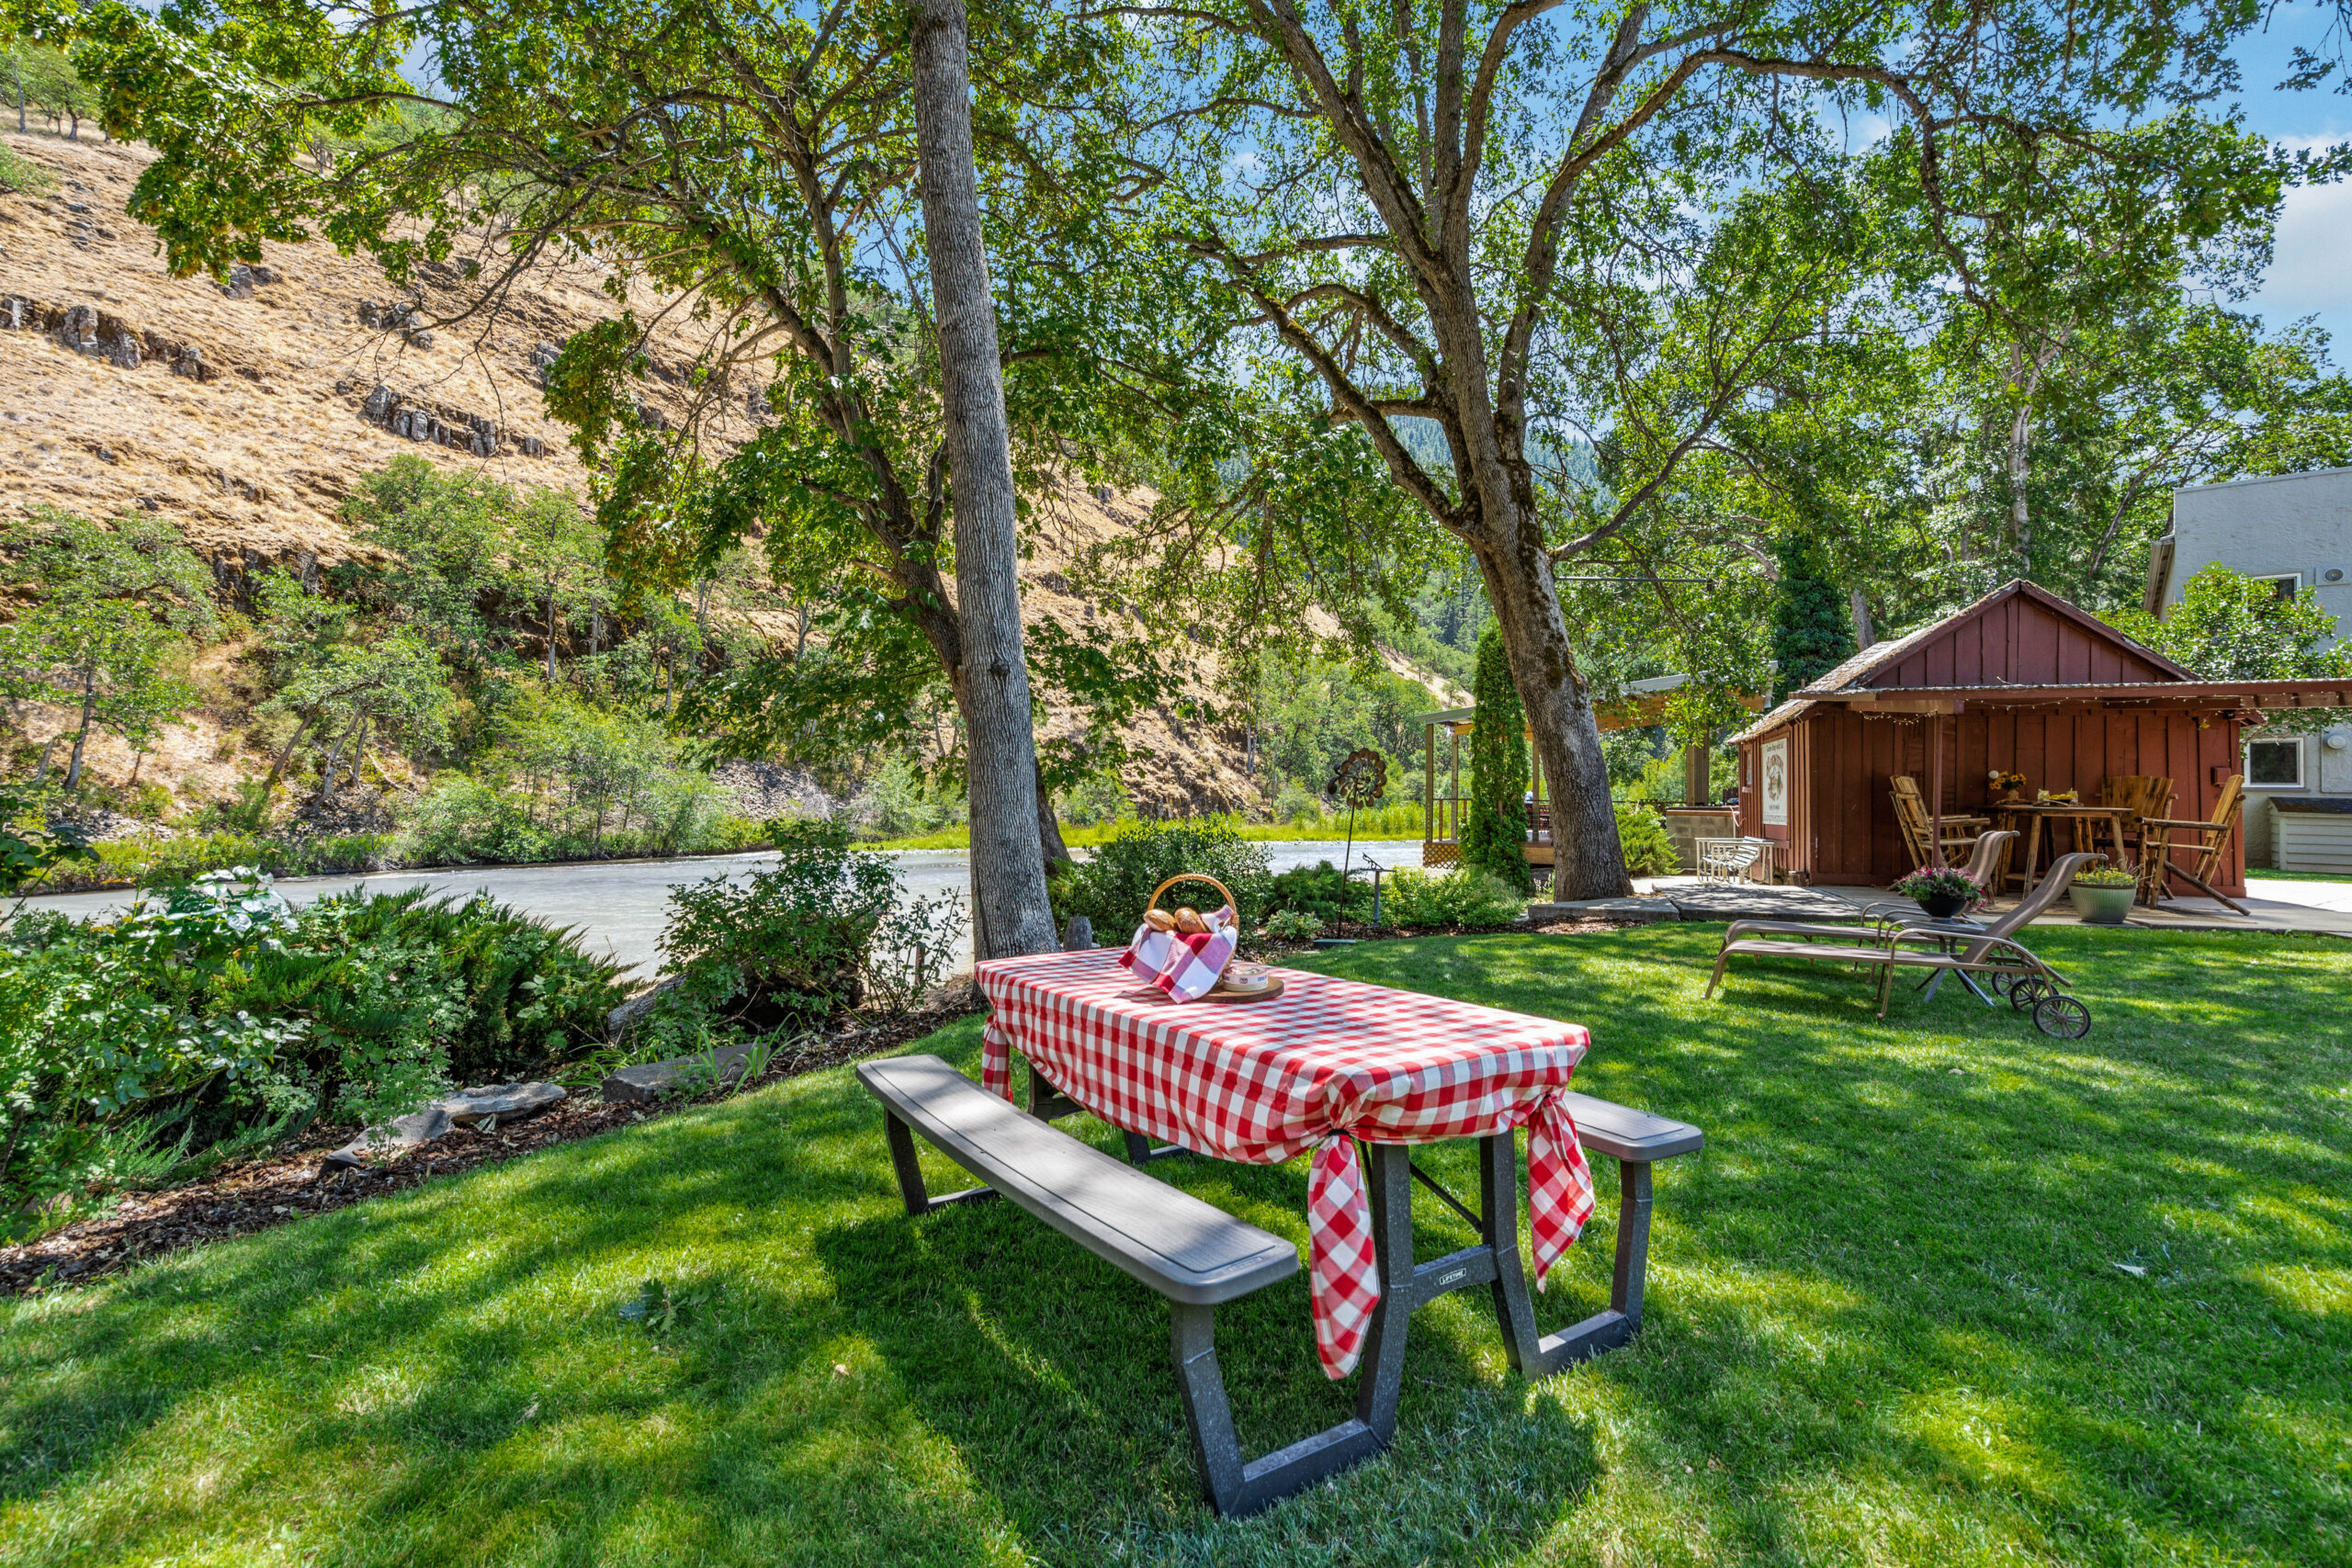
<point>1811,632</point>
<point>1494,829</point>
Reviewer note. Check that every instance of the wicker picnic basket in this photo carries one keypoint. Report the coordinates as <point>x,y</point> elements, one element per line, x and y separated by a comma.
<point>1242,984</point>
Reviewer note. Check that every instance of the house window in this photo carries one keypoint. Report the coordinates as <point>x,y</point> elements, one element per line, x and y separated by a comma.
<point>2273,764</point>
<point>2284,587</point>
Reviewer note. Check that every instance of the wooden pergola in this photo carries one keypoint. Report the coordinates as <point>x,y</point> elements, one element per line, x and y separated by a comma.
<point>1640,707</point>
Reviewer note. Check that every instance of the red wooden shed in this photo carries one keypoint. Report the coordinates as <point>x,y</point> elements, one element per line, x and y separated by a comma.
<point>2020,681</point>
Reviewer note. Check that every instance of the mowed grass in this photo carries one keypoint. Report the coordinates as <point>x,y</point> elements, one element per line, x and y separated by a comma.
<point>1938,1291</point>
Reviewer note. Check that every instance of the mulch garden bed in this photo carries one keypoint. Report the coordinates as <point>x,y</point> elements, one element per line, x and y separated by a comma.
<point>295,1181</point>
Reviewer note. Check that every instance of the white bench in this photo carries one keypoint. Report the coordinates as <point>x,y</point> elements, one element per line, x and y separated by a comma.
<point>1735,859</point>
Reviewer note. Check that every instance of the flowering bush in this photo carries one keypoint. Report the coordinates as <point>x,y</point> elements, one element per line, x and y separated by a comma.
<point>1940,881</point>
<point>2107,876</point>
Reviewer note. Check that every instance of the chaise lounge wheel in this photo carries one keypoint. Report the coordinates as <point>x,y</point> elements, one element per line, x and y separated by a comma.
<point>2061,1018</point>
<point>2024,991</point>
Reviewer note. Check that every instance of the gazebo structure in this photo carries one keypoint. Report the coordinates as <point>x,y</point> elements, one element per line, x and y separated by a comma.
<point>1644,704</point>
<point>2021,681</point>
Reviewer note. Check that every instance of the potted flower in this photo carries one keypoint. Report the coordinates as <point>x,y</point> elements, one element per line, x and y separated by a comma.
<point>1940,890</point>
<point>2006,786</point>
<point>2103,895</point>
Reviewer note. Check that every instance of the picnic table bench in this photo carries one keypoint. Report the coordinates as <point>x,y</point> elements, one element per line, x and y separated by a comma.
<point>1199,1256</point>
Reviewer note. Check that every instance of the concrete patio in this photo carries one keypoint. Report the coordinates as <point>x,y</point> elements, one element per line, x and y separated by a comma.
<point>2276,906</point>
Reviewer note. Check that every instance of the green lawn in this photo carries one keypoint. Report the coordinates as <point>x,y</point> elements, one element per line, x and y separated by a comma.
<point>1888,1322</point>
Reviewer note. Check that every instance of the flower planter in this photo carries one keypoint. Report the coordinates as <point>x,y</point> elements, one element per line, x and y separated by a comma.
<point>2101,906</point>
<point>1943,905</point>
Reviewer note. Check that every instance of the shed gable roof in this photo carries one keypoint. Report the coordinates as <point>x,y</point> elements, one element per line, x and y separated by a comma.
<point>2017,634</point>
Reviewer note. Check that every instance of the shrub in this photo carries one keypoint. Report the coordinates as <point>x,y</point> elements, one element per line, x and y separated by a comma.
<point>819,930</point>
<point>1292,925</point>
<point>1464,897</point>
<point>216,1005</point>
<point>1112,887</point>
<point>1494,824</point>
<point>1642,831</point>
<point>527,993</point>
<point>1321,891</point>
<point>467,819</point>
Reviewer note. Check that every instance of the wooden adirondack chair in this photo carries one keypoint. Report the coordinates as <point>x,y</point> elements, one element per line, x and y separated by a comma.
<point>1911,814</point>
<point>2139,794</point>
<point>2212,839</point>
<point>2144,796</point>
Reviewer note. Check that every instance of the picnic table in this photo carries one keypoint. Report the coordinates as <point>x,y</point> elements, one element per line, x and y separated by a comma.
<point>2081,820</point>
<point>1327,1064</point>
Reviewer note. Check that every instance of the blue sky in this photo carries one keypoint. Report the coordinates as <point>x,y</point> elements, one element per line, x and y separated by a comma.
<point>2311,274</point>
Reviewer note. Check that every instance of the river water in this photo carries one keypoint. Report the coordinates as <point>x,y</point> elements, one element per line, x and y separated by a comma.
<point>618,907</point>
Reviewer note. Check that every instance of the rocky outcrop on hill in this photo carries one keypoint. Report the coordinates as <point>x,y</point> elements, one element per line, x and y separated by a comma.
<point>243,411</point>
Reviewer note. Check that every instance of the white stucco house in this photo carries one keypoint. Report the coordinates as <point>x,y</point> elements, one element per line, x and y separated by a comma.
<point>2296,530</point>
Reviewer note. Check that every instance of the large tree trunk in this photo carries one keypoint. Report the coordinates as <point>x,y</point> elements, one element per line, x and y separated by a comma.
<point>1588,859</point>
<point>1010,913</point>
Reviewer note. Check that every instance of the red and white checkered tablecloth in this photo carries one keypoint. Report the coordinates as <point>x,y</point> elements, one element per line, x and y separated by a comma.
<point>1327,1061</point>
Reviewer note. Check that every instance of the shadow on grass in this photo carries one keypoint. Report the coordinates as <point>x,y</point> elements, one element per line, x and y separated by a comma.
<point>1947,1248</point>
<point>1041,1362</point>
<point>1941,1290</point>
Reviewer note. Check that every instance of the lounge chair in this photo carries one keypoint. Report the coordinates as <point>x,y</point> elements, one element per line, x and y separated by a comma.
<point>1884,914</point>
<point>2032,984</point>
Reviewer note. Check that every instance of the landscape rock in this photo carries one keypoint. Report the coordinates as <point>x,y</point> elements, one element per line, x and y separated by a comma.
<point>508,1101</point>
<point>397,1137</point>
<point>640,1084</point>
<point>490,1103</point>
<point>627,1016</point>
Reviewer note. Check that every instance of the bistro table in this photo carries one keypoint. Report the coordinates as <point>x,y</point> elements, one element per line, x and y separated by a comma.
<point>2083,822</point>
<point>1329,1063</point>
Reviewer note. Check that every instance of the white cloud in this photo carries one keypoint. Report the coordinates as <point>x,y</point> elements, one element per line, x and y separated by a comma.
<point>2311,269</point>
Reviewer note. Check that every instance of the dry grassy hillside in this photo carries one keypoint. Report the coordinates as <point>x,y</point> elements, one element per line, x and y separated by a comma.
<point>243,414</point>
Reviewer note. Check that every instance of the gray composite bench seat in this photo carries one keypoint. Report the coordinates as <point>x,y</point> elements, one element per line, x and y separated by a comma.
<point>1189,1251</point>
<point>1199,1256</point>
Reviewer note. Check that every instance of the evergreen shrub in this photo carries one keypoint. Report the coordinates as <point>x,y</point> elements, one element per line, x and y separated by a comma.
<point>1493,828</point>
<point>1642,832</point>
<point>1466,898</point>
<point>1812,632</point>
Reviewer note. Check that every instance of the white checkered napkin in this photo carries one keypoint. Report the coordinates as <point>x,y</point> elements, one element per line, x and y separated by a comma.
<point>1148,951</point>
<point>1182,966</point>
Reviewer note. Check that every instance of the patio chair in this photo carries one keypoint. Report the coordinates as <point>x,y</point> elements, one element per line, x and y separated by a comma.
<point>2031,985</point>
<point>2142,795</point>
<point>2211,838</point>
<point>1911,814</point>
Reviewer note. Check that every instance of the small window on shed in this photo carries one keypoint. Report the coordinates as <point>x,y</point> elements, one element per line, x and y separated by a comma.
<point>2273,764</point>
<point>2284,587</point>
